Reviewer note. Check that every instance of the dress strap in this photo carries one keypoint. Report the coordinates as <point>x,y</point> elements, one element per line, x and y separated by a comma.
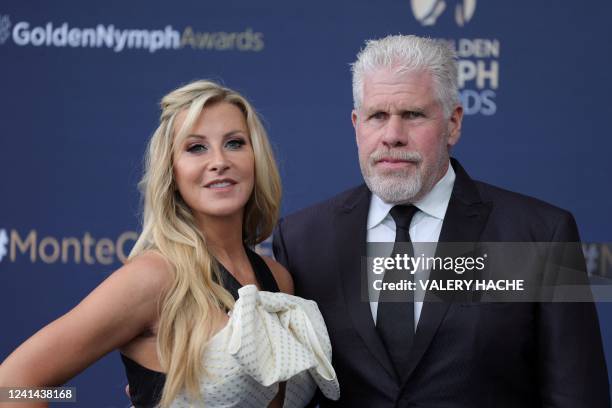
<point>263,275</point>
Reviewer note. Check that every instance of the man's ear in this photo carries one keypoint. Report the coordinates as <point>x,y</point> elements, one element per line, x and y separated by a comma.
<point>454,126</point>
<point>354,118</point>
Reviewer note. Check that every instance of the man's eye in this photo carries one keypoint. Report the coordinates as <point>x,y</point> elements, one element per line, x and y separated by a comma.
<point>378,115</point>
<point>235,144</point>
<point>197,148</point>
<point>413,115</point>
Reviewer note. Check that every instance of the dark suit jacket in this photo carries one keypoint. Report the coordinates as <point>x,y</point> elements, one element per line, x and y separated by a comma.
<point>465,354</point>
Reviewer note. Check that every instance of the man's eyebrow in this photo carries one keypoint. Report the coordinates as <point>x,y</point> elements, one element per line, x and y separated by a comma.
<point>377,108</point>
<point>407,108</point>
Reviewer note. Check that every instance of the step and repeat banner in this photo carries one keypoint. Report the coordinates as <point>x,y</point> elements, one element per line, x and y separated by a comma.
<point>80,85</point>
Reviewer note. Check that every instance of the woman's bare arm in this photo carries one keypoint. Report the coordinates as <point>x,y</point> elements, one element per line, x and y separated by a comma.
<point>123,306</point>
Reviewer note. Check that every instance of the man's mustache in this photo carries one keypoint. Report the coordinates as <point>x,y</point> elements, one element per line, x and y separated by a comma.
<point>403,155</point>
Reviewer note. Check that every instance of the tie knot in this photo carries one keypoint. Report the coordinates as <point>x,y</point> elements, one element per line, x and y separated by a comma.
<point>402,215</point>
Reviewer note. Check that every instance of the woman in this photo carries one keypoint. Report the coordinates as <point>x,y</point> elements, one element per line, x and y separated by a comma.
<point>211,190</point>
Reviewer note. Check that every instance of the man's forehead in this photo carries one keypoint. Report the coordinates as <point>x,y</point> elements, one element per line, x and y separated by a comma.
<point>399,99</point>
<point>391,82</point>
<point>386,88</point>
<point>394,74</point>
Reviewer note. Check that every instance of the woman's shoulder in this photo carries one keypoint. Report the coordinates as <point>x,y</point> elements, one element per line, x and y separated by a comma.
<point>281,275</point>
<point>150,271</point>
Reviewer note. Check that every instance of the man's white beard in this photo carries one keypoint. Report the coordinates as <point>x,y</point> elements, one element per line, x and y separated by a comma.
<point>396,188</point>
<point>402,186</point>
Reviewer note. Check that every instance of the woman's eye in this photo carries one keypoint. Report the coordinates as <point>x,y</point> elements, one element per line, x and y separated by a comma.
<point>235,144</point>
<point>196,148</point>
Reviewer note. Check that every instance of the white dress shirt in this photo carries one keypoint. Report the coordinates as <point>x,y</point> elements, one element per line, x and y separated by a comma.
<point>424,227</point>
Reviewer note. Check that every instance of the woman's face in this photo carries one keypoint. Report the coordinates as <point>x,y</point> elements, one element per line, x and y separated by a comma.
<point>214,167</point>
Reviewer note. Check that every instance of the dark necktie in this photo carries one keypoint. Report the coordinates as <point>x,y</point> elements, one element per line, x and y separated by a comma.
<point>395,317</point>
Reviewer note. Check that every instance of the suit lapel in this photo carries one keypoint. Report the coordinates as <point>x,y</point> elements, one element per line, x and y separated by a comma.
<point>351,233</point>
<point>464,221</point>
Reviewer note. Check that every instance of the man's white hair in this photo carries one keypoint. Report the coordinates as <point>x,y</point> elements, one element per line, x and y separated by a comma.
<point>408,53</point>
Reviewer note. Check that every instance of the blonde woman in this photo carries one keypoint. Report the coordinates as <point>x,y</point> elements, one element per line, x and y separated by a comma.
<point>193,311</point>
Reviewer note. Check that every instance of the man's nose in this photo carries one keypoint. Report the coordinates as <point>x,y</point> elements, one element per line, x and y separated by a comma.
<point>396,132</point>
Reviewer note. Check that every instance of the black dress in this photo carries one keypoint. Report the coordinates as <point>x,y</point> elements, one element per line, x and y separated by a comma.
<point>146,385</point>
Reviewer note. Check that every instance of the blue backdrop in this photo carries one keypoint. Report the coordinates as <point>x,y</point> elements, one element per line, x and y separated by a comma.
<point>80,84</point>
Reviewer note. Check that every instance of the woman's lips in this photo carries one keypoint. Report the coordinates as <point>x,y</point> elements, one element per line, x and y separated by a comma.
<point>221,185</point>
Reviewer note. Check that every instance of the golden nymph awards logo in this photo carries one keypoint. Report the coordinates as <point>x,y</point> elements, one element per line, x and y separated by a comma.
<point>427,12</point>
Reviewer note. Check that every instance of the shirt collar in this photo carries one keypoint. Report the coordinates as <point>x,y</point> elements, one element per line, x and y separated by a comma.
<point>433,203</point>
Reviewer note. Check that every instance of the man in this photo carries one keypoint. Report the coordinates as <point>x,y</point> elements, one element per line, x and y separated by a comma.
<point>406,117</point>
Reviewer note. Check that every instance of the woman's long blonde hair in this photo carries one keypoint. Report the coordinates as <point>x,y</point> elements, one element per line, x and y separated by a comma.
<point>188,308</point>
